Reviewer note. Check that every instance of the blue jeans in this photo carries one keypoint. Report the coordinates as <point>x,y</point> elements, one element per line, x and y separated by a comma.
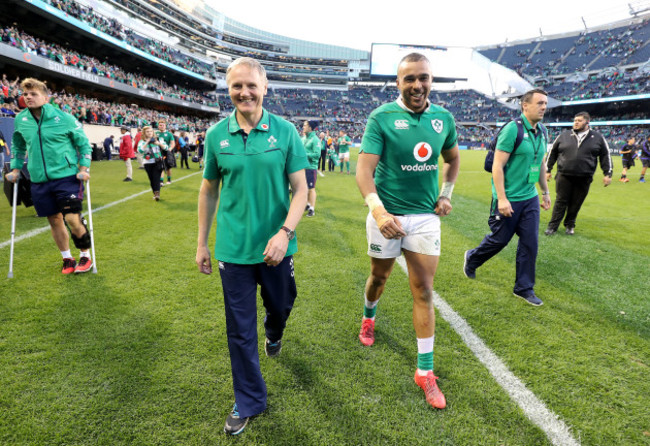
<point>525,223</point>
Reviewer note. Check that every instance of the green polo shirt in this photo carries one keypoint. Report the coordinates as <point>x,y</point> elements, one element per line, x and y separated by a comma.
<point>409,146</point>
<point>344,144</point>
<point>167,136</point>
<point>254,172</point>
<point>530,153</point>
<point>312,147</point>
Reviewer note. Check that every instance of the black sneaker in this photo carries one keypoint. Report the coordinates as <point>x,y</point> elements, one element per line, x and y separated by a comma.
<point>272,349</point>
<point>311,212</point>
<point>570,231</point>
<point>550,231</point>
<point>470,274</point>
<point>127,179</point>
<point>234,423</point>
<point>530,298</point>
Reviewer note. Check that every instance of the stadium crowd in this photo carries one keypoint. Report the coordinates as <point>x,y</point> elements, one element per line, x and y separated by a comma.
<point>29,44</point>
<point>115,29</point>
<point>93,111</point>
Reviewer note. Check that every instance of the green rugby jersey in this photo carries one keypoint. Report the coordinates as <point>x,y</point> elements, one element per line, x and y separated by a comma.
<point>344,144</point>
<point>530,153</point>
<point>409,146</point>
<point>167,137</point>
<point>254,172</point>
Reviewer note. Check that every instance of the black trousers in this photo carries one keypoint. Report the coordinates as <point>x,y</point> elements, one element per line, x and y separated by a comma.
<point>322,160</point>
<point>571,192</point>
<point>154,172</point>
<point>184,158</point>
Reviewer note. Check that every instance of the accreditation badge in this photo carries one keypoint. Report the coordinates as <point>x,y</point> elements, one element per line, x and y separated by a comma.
<point>533,174</point>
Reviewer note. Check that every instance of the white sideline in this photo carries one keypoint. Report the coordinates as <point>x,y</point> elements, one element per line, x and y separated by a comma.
<point>554,428</point>
<point>34,232</point>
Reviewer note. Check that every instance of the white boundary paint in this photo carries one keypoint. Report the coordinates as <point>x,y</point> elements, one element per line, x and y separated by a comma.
<point>34,232</point>
<point>554,428</point>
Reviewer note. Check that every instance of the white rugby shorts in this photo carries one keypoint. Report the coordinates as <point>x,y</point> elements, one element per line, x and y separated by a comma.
<point>422,237</point>
<point>344,156</point>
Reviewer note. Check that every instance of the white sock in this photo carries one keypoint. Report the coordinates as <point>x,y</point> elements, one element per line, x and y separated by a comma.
<point>369,304</point>
<point>84,254</point>
<point>66,254</point>
<point>425,345</point>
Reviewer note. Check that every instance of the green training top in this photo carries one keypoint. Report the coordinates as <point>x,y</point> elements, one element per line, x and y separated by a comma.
<point>254,172</point>
<point>344,144</point>
<point>55,145</point>
<point>409,145</point>
<point>312,147</point>
<point>530,153</point>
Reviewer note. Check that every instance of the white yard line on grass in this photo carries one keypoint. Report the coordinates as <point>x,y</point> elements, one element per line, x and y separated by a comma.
<point>554,428</point>
<point>34,232</point>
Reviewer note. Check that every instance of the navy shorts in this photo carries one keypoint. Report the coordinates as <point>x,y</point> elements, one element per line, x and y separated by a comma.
<point>49,197</point>
<point>645,162</point>
<point>627,163</point>
<point>311,178</point>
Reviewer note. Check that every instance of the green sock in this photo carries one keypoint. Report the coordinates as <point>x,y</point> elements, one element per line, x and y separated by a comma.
<point>369,312</point>
<point>425,361</point>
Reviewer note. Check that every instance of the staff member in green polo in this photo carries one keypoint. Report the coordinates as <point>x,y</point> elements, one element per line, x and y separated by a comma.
<point>254,156</point>
<point>515,200</point>
<point>312,148</point>
<point>58,160</point>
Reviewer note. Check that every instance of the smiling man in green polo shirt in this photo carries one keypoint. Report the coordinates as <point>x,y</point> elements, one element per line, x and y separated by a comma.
<point>251,158</point>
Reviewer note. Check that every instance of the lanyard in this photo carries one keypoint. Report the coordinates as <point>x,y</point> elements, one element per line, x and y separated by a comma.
<point>539,143</point>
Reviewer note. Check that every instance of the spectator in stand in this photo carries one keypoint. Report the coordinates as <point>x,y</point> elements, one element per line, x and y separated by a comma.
<point>108,147</point>
<point>577,152</point>
<point>126,152</point>
<point>645,158</point>
<point>628,153</point>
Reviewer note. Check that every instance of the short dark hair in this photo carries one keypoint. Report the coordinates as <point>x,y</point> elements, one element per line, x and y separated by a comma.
<point>528,96</point>
<point>414,57</point>
<point>583,114</point>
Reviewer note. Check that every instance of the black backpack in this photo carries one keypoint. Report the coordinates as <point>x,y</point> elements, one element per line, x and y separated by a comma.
<point>489,157</point>
<point>24,187</point>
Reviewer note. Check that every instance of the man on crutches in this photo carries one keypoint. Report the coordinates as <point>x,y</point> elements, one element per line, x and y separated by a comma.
<point>58,161</point>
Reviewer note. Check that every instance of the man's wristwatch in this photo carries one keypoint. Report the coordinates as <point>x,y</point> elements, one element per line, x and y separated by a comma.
<point>291,234</point>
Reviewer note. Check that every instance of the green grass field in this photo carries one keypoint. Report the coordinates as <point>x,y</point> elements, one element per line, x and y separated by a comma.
<point>137,354</point>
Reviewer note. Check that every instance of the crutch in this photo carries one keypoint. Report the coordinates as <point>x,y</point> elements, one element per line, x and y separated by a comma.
<point>90,222</point>
<point>10,274</point>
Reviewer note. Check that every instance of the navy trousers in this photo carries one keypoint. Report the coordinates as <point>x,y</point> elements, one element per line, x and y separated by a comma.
<point>278,290</point>
<point>525,223</point>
